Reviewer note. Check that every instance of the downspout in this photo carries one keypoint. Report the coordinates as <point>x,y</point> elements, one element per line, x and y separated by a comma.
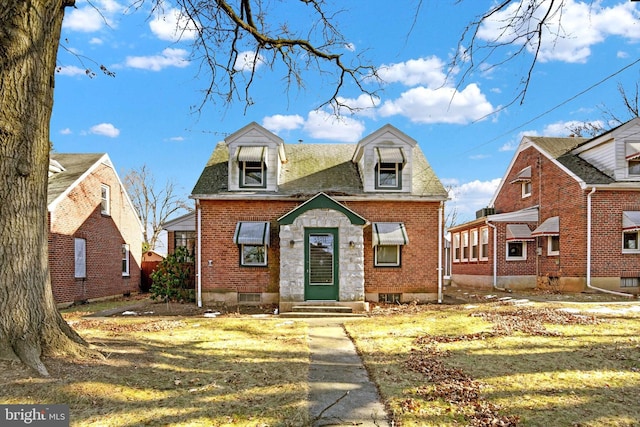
<point>199,262</point>
<point>589,286</point>
<point>440,233</point>
<point>495,258</point>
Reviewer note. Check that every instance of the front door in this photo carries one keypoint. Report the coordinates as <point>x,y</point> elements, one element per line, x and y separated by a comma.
<point>321,264</point>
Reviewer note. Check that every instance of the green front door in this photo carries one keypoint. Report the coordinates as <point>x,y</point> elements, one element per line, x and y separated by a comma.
<point>321,264</point>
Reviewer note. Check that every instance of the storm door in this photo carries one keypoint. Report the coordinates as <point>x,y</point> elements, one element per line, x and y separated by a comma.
<point>321,264</point>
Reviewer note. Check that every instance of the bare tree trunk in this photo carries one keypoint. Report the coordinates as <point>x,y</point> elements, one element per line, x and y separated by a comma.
<point>30,324</point>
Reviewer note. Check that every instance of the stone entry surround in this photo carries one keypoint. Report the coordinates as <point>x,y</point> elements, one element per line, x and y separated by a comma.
<point>350,258</point>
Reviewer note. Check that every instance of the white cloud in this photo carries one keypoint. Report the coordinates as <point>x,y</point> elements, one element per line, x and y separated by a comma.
<point>66,131</point>
<point>469,197</point>
<point>96,40</point>
<point>422,71</point>
<point>170,57</point>
<point>246,61</point>
<point>564,129</point>
<point>88,18</point>
<point>279,122</point>
<point>323,125</point>
<point>177,138</point>
<point>173,25</point>
<point>71,70</point>
<point>105,129</point>
<point>444,105</point>
<point>571,29</point>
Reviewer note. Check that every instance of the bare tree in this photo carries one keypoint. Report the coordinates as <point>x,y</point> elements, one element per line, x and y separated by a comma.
<point>155,205</point>
<point>30,324</point>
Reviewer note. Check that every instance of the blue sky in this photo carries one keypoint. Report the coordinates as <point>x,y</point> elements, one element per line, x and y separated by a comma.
<point>144,114</point>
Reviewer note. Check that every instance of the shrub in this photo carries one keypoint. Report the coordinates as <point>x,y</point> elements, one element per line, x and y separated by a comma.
<point>173,279</point>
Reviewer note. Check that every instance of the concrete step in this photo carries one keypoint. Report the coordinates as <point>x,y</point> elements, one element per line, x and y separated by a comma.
<point>322,309</point>
<point>318,315</point>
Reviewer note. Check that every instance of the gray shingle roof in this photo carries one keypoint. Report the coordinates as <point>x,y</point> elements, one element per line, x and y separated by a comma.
<point>75,165</point>
<point>559,149</point>
<point>312,168</point>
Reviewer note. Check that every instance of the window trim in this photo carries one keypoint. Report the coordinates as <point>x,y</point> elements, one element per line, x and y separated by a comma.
<point>550,251</point>
<point>527,189</point>
<point>484,232</point>
<point>105,199</point>
<point>464,246</point>
<point>523,257</point>
<point>243,262</point>
<point>456,247</point>
<point>79,262</point>
<point>126,260</point>
<point>397,263</point>
<point>635,250</point>
<point>243,174</point>
<point>474,245</point>
<point>397,167</point>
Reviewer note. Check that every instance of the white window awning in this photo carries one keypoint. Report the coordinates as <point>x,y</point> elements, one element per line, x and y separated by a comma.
<point>632,150</point>
<point>518,233</point>
<point>389,233</point>
<point>391,155</point>
<point>631,220</point>
<point>251,154</point>
<point>523,176</point>
<point>549,227</point>
<point>252,233</point>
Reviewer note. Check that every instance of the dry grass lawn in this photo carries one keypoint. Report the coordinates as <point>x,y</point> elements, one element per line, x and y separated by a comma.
<point>506,364</point>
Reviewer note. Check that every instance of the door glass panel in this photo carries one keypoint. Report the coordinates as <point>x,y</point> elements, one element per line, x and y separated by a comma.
<point>321,259</point>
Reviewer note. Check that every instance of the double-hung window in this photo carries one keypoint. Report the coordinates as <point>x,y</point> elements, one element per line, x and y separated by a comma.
<point>464,236</point>
<point>125,260</point>
<point>105,199</point>
<point>252,166</point>
<point>80,258</point>
<point>456,247</point>
<point>252,238</point>
<point>390,161</point>
<point>474,244</point>
<point>484,243</point>
<point>388,239</point>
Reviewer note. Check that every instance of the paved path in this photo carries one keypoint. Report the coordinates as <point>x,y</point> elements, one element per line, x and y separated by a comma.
<point>341,393</point>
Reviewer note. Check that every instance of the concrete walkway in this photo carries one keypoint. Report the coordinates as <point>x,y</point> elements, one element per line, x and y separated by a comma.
<point>341,393</point>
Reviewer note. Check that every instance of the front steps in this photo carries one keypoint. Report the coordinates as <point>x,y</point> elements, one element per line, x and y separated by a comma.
<point>315,309</point>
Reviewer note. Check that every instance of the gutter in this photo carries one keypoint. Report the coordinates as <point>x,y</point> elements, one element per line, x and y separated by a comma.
<point>440,234</point>
<point>589,286</point>
<point>199,261</point>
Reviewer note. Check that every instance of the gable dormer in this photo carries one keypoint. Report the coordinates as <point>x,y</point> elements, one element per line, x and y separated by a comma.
<point>255,159</point>
<point>385,161</point>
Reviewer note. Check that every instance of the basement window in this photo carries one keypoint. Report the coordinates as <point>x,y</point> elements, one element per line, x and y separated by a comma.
<point>248,297</point>
<point>390,298</point>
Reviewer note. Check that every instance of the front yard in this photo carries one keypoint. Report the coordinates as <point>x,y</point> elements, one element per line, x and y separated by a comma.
<point>489,363</point>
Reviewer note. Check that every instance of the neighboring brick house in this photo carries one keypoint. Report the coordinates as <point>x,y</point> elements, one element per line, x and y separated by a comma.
<point>95,235</point>
<point>566,215</point>
<point>181,231</point>
<point>308,223</point>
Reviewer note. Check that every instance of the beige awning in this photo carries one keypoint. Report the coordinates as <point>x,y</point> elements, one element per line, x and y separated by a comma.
<point>391,155</point>
<point>389,233</point>
<point>549,227</point>
<point>631,220</point>
<point>518,233</point>
<point>252,233</point>
<point>632,150</point>
<point>251,154</point>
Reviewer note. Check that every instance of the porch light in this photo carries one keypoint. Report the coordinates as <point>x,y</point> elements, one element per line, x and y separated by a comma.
<point>292,242</point>
<point>352,244</point>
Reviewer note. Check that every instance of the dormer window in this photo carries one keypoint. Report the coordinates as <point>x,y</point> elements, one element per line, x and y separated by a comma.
<point>524,179</point>
<point>251,162</point>
<point>632,155</point>
<point>389,168</point>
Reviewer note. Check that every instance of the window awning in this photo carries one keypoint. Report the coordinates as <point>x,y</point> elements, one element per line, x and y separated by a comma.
<point>389,233</point>
<point>251,154</point>
<point>632,150</point>
<point>518,233</point>
<point>252,233</point>
<point>549,227</point>
<point>523,176</point>
<point>391,155</point>
<point>631,220</point>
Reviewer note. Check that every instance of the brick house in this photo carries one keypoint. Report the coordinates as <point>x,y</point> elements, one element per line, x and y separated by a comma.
<point>566,215</point>
<point>299,224</point>
<point>95,235</point>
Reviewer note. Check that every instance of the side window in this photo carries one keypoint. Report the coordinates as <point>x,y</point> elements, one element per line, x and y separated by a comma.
<point>553,245</point>
<point>387,255</point>
<point>388,176</point>
<point>516,251</point>
<point>484,243</point>
<point>474,244</point>
<point>252,174</point>
<point>630,242</point>
<point>253,255</point>
<point>80,256</point>
<point>456,247</point>
<point>105,199</point>
<point>125,260</point>
<point>526,189</point>
<point>465,245</point>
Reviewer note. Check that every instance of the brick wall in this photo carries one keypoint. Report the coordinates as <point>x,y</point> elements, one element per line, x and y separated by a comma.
<point>79,216</point>
<point>219,218</point>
